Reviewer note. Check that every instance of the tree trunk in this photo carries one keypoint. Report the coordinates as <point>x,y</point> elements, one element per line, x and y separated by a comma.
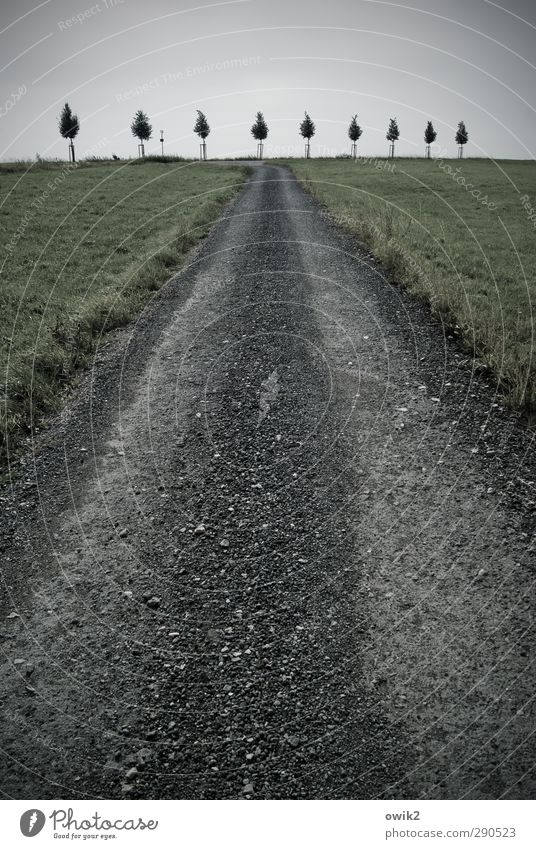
<point>260,148</point>
<point>353,153</point>
<point>307,150</point>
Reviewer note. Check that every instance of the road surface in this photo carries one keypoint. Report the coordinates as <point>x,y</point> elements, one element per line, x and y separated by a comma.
<point>277,546</point>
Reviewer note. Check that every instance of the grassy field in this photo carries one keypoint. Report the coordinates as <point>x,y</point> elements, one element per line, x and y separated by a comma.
<point>81,250</point>
<point>463,239</point>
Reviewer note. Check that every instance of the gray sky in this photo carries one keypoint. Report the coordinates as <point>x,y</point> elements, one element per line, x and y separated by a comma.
<point>429,59</point>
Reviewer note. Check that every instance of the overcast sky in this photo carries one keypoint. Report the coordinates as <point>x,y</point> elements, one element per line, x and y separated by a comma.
<point>429,59</point>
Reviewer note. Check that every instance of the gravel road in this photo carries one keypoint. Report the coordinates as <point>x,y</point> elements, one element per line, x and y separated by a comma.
<point>278,545</point>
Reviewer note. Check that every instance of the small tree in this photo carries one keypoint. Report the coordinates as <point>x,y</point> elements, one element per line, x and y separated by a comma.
<point>141,129</point>
<point>307,130</point>
<point>202,129</point>
<point>430,136</point>
<point>393,134</point>
<point>462,137</point>
<point>69,126</point>
<point>259,131</point>
<point>354,134</point>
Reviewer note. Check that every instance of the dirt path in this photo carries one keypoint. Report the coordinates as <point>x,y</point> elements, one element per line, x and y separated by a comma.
<point>278,546</point>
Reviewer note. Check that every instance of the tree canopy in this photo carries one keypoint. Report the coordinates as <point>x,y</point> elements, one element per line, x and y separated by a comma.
<point>259,130</point>
<point>68,123</point>
<point>140,126</point>
<point>393,133</point>
<point>307,127</point>
<point>201,127</point>
<point>462,136</point>
<point>354,130</point>
<point>430,134</point>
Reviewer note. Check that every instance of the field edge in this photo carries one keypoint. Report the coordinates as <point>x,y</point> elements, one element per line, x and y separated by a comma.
<point>23,409</point>
<point>399,267</point>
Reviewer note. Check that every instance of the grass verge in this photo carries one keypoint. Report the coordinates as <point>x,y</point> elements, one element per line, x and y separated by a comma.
<point>82,249</point>
<point>460,235</point>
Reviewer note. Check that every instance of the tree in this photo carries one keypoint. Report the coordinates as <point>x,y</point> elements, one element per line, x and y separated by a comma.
<point>307,130</point>
<point>259,131</point>
<point>141,129</point>
<point>430,136</point>
<point>69,126</point>
<point>393,134</point>
<point>202,129</point>
<point>354,134</point>
<point>461,137</point>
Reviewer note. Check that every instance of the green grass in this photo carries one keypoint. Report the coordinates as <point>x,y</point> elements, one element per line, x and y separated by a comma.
<point>469,250</point>
<point>82,250</point>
